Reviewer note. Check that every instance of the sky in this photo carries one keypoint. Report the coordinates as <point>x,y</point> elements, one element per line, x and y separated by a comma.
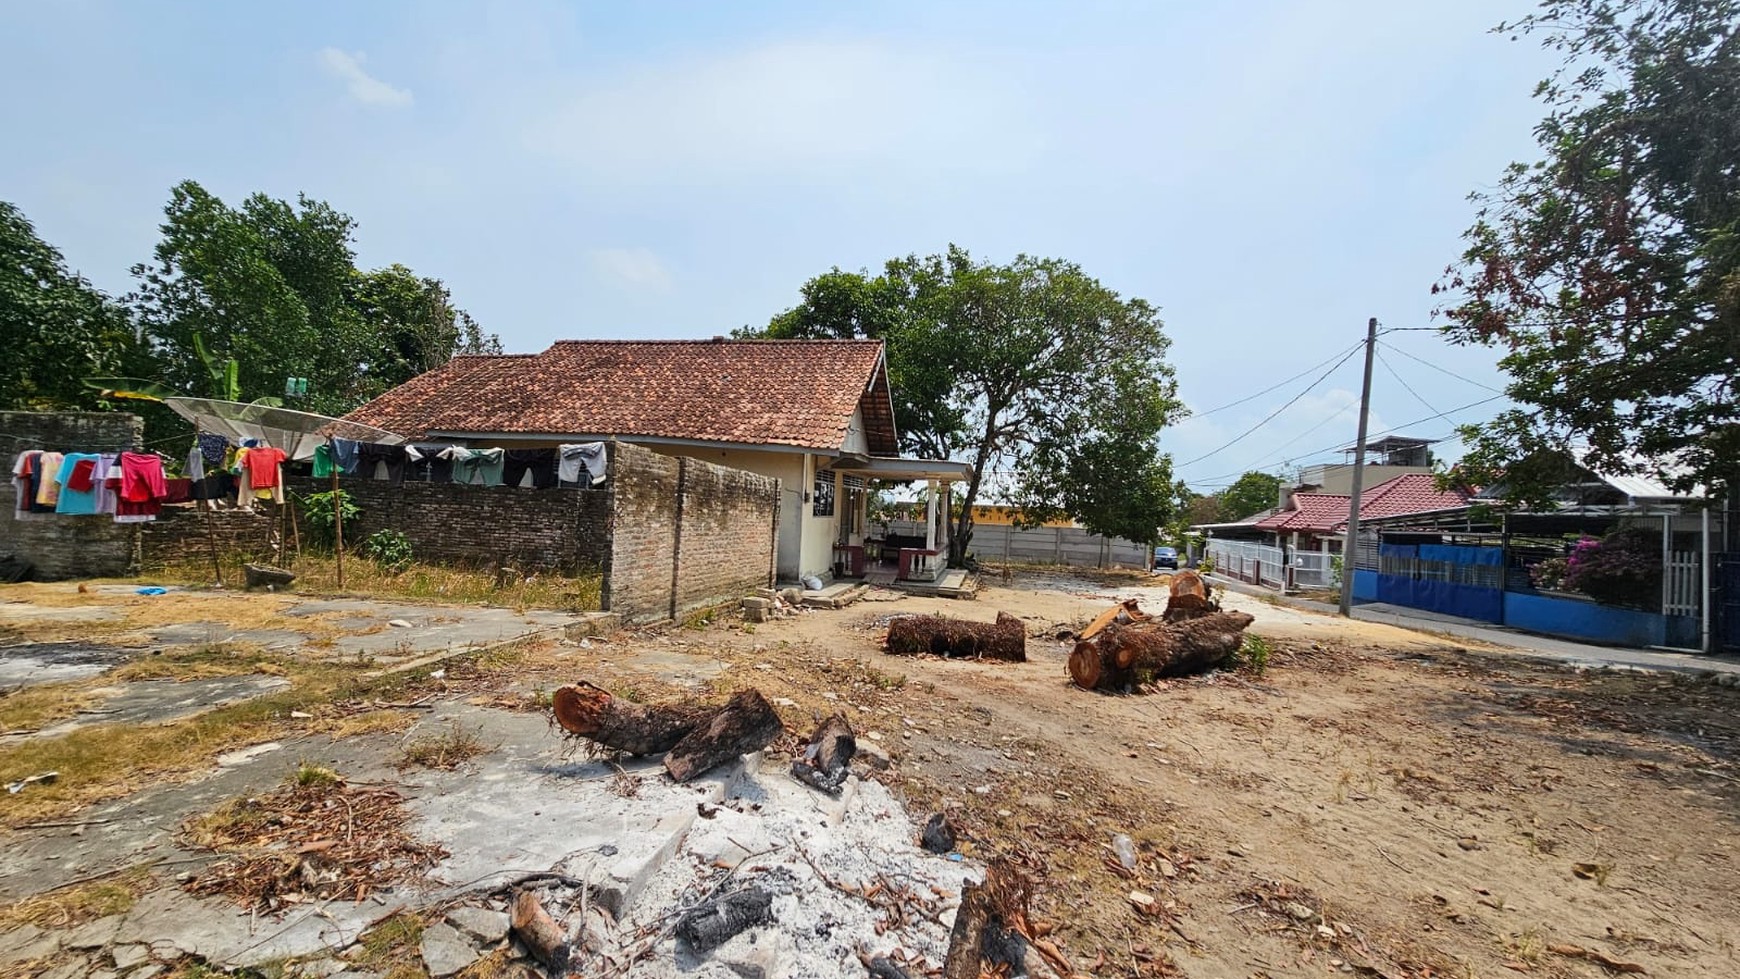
<point>1270,173</point>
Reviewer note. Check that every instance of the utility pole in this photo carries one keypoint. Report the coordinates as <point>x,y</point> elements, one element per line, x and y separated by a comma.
<point>1350,550</point>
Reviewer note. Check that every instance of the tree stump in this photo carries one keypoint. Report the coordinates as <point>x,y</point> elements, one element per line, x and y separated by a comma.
<point>746,723</point>
<point>827,761</point>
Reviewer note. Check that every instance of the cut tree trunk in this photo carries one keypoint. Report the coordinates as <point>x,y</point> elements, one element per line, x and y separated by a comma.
<point>1190,598</point>
<point>827,760</point>
<point>592,713</point>
<point>746,723</point>
<point>540,934</point>
<point>1123,613</point>
<point>1115,657</point>
<point>1005,639</point>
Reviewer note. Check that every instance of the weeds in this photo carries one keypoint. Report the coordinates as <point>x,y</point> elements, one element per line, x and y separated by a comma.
<point>309,775</point>
<point>1253,654</point>
<point>446,750</point>
<point>73,905</point>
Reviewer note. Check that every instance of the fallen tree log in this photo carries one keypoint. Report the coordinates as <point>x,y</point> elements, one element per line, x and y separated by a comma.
<point>1005,639</point>
<point>591,712</point>
<point>1121,654</point>
<point>827,760</point>
<point>715,922</point>
<point>746,723</point>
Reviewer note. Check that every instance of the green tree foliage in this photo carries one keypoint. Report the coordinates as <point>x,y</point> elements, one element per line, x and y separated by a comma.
<point>1251,493</point>
<point>1609,269</point>
<point>56,329</point>
<point>274,285</point>
<point>1033,368</point>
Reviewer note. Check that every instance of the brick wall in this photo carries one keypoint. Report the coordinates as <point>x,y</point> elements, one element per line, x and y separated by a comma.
<point>670,534</point>
<point>66,547</point>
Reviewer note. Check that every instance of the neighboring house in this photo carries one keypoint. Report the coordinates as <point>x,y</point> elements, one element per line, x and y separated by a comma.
<point>1318,521</point>
<point>818,415</point>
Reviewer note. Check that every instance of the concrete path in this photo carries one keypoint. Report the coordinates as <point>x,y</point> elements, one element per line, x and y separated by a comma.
<point>1535,647</point>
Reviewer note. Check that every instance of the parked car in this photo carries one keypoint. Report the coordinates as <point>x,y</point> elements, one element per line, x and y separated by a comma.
<point>1166,557</point>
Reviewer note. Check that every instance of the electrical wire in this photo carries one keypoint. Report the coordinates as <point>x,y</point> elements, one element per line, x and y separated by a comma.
<point>1273,414</point>
<point>1405,386</point>
<point>1295,377</point>
<point>1444,370</point>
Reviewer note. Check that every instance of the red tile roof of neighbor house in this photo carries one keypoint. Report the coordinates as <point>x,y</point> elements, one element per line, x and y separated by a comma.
<point>1327,512</point>
<point>797,393</point>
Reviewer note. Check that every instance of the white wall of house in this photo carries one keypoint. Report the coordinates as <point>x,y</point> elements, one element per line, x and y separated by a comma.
<point>806,541</point>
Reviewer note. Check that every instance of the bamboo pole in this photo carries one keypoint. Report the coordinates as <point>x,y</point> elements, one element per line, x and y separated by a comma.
<point>337,512</point>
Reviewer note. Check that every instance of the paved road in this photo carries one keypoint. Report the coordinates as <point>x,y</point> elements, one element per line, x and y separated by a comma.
<point>1537,647</point>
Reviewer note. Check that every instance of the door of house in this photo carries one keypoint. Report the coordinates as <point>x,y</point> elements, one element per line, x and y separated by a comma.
<point>791,524</point>
<point>1728,607</point>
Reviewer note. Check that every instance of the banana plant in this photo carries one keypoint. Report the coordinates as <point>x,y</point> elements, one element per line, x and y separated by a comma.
<point>225,375</point>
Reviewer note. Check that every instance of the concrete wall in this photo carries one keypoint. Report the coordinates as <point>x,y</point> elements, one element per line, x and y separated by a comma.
<point>813,550</point>
<point>66,547</point>
<point>1043,545</point>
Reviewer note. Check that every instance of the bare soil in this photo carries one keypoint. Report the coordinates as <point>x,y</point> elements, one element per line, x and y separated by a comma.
<point>1378,801</point>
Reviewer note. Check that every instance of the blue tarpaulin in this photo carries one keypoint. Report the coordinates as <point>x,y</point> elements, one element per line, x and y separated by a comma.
<point>1443,587</point>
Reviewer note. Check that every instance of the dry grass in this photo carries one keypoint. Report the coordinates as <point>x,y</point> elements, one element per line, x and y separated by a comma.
<point>32,708</point>
<point>391,947</point>
<point>318,574</point>
<point>78,903</point>
<point>447,749</point>
<point>199,663</point>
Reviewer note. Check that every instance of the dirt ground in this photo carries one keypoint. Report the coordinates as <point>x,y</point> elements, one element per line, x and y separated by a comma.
<point>1376,802</point>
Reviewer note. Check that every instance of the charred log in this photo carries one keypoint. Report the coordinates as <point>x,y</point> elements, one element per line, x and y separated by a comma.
<point>1005,639</point>
<point>716,922</point>
<point>745,724</point>
<point>827,760</point>
<point>539,933</point>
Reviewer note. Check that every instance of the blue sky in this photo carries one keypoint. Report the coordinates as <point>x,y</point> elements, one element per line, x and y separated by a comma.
<point>1270,173</point>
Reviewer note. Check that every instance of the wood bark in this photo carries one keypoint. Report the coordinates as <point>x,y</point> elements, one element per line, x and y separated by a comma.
<point>539,933</point>
<point>746,723</point>
<point>1124,612</point>
<point>1115,657</point>
<point>715,922</point>
<point>827,760</point>
<point>1190,598</point>
<point>592,713</point>
<point>991,925</point>
<point>1005,639</point>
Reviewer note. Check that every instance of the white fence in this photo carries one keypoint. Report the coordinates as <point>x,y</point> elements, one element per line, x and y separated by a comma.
<point>1682,581</point>
<point>1266,564</point>
<point>997,543</point>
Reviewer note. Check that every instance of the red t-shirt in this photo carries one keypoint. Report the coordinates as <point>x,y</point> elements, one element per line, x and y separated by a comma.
<point>263,467</point>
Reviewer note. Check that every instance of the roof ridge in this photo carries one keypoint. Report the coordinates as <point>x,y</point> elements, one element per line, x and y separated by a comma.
<point>730,341</point>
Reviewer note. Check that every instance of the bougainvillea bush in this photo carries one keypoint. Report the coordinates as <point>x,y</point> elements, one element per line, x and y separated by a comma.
<point>1623,568</point>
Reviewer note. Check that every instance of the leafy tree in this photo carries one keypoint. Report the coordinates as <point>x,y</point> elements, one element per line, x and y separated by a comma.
<point>56,329</point>
<point>1251,493</point>
<point>415,324</point>
<point>1609,269</point>
<point>1031,367</point>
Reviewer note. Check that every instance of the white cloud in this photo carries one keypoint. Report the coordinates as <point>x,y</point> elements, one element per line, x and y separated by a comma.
<point>631,268</point>
<point>347,67</point>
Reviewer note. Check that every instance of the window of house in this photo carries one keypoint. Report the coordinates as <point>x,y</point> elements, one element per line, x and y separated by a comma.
<point>822,496</point>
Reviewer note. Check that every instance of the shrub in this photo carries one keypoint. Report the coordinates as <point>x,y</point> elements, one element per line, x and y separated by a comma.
<point>389,549</point>
<point>317,510</point>
<point>1623,568</point>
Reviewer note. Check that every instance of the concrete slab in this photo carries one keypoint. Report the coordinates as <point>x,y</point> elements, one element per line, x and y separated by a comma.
<point>208,633</point>
<point>28,664</point>
<point>158,701</point>
<point>219,932</point>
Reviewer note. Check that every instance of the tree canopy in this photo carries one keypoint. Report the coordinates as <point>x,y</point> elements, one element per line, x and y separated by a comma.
<point>1609,269</point>
<point>1031,369</point>
<point>56,329</point>
<point>1251,493</point>
<point>271,284</point>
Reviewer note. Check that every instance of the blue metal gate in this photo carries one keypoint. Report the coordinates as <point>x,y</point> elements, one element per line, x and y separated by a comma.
<point>1728,607</point>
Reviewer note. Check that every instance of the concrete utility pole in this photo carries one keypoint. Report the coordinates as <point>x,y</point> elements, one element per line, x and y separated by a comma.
<point>1350,550</point>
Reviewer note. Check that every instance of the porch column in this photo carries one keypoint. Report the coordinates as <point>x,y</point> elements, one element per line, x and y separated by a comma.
<point>945,531</point>
<point>930,515</point>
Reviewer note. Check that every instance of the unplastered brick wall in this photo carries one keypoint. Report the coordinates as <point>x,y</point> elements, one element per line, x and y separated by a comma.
<point>686,534</point>
<point>67,547</point>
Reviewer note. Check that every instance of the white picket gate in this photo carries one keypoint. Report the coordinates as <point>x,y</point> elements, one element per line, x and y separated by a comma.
<point>1682,581</point>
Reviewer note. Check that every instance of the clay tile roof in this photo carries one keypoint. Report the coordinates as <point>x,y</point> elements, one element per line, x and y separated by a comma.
<point>760,392</point>
<point>1327,512</point>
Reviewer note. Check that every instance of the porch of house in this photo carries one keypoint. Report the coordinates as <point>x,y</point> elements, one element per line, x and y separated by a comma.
<point>913,563</point>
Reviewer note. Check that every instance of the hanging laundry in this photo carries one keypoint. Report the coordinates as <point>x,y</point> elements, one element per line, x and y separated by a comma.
<point>48,480</point>
<point>142,488</point>
<point>323,467</point>
<point>344,456</point>
<point>215,486</point>
<point>79,491</point>
<point>427,463</point>
<point>26,470</point>
<point>372,459</point>
<point>480,467</point>
<point>194,469</point>
<point>587,457</point>
<point>541,463</point>
<point>213,447</point>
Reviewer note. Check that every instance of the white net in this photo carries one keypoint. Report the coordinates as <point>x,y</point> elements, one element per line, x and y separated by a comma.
<point>298,433</point>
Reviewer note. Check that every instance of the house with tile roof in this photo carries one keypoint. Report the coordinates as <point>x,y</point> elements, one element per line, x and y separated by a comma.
<point>1312,520</point>
<point>818,415</point>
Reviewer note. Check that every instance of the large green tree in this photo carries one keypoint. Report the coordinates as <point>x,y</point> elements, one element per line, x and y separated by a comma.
<point>1032,368</point>
<point>1609,268</point>
<point>274,285</point>
<point>56,329</point>
<point>1251,493</point>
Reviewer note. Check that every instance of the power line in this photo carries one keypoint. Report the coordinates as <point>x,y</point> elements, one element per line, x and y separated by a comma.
<point>1444,370</point>
<point>1272,415</point>
<point>1295,377</point>
<point>1405,386</point>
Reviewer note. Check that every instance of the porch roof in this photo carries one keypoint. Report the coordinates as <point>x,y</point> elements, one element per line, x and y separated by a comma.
<point>891,467</point>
